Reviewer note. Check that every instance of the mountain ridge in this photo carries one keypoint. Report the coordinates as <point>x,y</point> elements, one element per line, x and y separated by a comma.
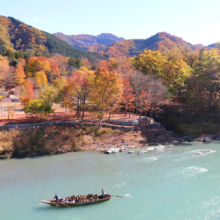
<point>82,41</point>
<point>16,35</point>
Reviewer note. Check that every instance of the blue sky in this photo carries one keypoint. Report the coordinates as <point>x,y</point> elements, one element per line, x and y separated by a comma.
<point>196,21</point>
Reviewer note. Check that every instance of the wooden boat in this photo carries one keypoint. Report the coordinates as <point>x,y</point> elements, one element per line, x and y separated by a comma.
<point>65,204</point>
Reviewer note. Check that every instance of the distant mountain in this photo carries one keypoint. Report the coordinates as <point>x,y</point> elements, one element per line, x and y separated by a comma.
<point>14,34</point>
<point>82,41</point>
<point>213,45</point>
<point>128,48</point>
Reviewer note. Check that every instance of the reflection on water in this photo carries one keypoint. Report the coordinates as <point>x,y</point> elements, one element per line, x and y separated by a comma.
<point>170,184</point>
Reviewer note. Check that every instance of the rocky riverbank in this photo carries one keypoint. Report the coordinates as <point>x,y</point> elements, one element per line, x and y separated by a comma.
<point>39,139</point>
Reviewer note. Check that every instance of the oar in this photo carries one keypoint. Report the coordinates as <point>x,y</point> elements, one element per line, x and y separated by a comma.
<point>58,201</point>
<point>118,196</point>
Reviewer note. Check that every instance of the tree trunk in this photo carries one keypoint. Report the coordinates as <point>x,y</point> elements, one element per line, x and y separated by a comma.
<point>99,127</point>
<point>151,112</point>
<point>125,110</point>
<point>140,113</point>
<point>109,116</point>
<point>83,112</point>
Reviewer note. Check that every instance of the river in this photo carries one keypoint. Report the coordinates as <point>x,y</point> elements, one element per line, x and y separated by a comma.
<point>172,184</point>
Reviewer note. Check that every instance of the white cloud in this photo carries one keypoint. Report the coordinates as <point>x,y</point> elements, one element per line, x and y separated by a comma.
<point>35,19</point>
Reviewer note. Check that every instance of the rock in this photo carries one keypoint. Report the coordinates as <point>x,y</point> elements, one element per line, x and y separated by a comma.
<point>143,152</point>
<point>188,138</point>
<point>175,142</point>
<point>150,149</point>
<point>112,150</point>
<point>199,139</point>
<point>130,152</point>
<point>109,151</point>
<point>207,139</point>
<point>159,147</point>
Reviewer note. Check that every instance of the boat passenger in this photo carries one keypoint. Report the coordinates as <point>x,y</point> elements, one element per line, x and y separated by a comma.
<point>56,197</point>
<point>103,193</point>
<point>84,198</point>
<point>65,199</point>
<point>77,198</point>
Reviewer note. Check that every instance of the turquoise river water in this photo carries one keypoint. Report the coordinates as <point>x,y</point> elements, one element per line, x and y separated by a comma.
<point>173,184</point>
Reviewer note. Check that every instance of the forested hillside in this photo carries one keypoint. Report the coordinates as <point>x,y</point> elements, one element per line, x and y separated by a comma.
<point>16,35</point>
<point>128,48</point>
<point>82,41</point>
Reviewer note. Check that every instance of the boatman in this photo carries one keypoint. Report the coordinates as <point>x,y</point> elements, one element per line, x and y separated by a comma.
<point>56,197</point>
<point>103,193</point>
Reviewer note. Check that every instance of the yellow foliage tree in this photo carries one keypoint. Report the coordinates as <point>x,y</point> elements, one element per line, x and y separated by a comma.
<point>41,79</point>
<point>107,91</point>
<point>36,64</point>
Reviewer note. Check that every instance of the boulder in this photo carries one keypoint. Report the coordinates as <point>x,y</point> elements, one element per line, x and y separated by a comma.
<point>159,147</point>
<point>150,149</point>
<point>207,139</point>
<point>143,152</point>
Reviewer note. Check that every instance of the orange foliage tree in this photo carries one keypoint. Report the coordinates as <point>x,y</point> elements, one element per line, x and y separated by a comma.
<point>85,63</point>
<point>62,62</point>
<point>27,92</point>
<point>128,95</point>
<point>20,75</point>
<point>77,91</point>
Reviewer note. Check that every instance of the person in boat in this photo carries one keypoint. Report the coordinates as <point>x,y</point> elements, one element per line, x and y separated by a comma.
<point>77,199</point>
<point>84,198</point>
<point>56,197</point>
<point>91,197</point>
<point>103,193</point>
<point>96,197</point>
<point>65,199</point>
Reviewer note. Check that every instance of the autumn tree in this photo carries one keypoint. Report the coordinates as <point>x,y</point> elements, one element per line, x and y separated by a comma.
<point>40,79</point>
<point>113,64</point>
<point>55,70</point>
<point>19,74</point>
<point>172,68</point>
<point>85,62</point>
<point>175,71</point>
<point>62,62</point>
<point>40,108</point>
<point>128,95</point>
<point>204,84</point>
<point>150,92</point>
<point>107,91</point>
<point>49,94</point>
<point>78,90</point>
<point>150,62</point>
<point>36,64</point>
<point>7,72</point>
<point>27,92</point>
